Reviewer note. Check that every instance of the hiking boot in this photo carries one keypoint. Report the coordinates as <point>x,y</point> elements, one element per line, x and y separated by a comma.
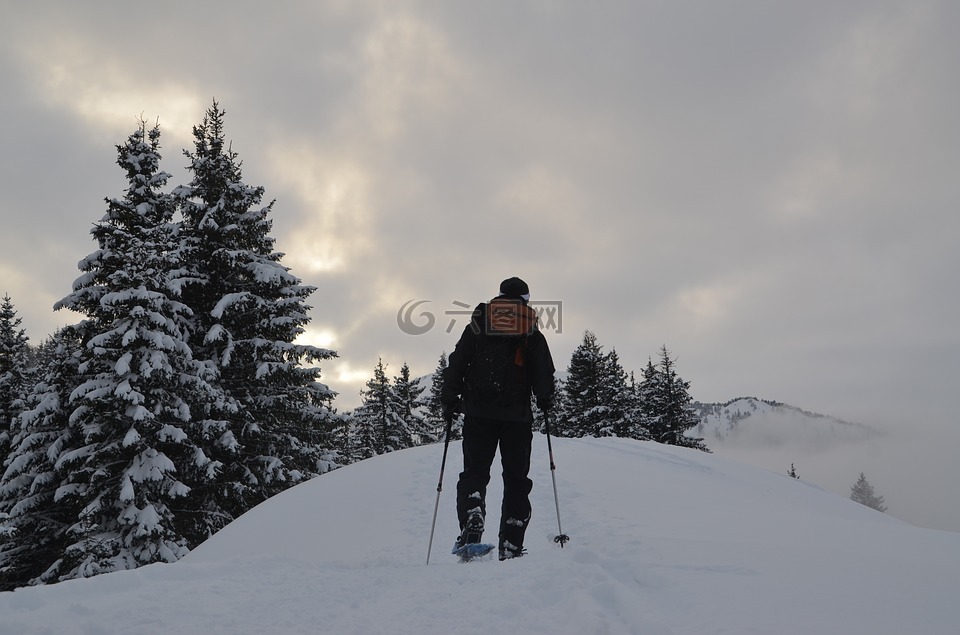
<point>508,551</point>
<point>472,530</point>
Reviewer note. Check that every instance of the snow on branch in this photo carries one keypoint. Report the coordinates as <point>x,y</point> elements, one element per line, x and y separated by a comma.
<point>228,301</point>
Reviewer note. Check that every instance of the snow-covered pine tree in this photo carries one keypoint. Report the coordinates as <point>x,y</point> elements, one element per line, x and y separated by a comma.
<point>15,372</point>
<point>636,424</point>
<point>362,435</point>
<point>410,401</point>
<point>862,492</point>
<point>584,412</point>
<point>665,403</point>
<point>617,396</point>
<point>275,427</point>
<point>341,435</point>
<point>40,463</point>
<point>596,400</point>
<point>434,422</point>
<point>131,409</point>
<point>379,419</point>
<point>648,399</point>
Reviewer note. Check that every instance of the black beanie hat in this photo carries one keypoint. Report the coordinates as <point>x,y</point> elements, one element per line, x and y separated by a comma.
<point>514,288</point>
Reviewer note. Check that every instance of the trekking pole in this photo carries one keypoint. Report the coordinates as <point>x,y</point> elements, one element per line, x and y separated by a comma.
<point>443,463</point>
<point>561,537</point>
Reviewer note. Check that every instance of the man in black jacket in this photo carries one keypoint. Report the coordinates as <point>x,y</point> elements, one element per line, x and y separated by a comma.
<point>500,359</point>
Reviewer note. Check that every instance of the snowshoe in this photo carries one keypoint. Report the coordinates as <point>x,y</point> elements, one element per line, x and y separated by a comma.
<point>472,551</point>
<point>468,545</point>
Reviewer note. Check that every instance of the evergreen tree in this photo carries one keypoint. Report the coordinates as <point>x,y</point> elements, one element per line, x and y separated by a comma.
<point>433,404</point>
<point>862,492</point>
<point>648,399</point>
<point>274,427</point>
<point>131,456</point>
<point>342,434</point>
<point>409,399</point>
<point>617,396</point>
<point>595,400</point>
<point>585,411</point>
<point>39,512</point>
<point>132,407</point>
<point>666,404</point>
<point>379,419</point>
<point>362,435</point>
<point>15,372</point>
<point>637,420</point>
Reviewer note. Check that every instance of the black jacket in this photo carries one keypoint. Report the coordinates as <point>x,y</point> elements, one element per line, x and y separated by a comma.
<point>535,376</point>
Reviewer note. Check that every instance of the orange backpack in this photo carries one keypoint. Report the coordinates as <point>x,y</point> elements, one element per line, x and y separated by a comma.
<point>510,317</point>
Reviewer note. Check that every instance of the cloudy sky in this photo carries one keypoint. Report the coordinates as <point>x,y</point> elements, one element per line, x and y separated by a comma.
<point>768,188</point>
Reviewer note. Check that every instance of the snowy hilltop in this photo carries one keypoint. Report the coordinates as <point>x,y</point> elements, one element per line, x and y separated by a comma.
<point>665,540</point>
<point>758,421</point>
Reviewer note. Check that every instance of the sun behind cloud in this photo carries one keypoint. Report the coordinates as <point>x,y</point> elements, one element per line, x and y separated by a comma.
<point>105,91</point>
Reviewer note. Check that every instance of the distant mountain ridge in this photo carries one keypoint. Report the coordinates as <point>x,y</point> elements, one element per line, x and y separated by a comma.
<point>766,422</point>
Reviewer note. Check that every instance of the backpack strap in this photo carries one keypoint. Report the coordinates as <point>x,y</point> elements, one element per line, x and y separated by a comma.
<point>519,358</point>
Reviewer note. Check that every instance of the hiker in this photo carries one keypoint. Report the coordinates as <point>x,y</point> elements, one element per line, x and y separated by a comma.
<point>500,359</point>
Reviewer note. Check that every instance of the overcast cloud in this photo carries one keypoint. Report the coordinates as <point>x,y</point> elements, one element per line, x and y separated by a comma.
<point>768,188</point>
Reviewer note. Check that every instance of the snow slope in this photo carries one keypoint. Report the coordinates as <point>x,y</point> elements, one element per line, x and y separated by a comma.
<point>664,541</point>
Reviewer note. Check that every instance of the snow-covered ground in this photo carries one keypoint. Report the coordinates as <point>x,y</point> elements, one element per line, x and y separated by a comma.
<point>664,541</point>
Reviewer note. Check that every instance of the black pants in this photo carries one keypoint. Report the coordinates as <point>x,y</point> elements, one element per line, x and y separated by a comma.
<point>480,440</point>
